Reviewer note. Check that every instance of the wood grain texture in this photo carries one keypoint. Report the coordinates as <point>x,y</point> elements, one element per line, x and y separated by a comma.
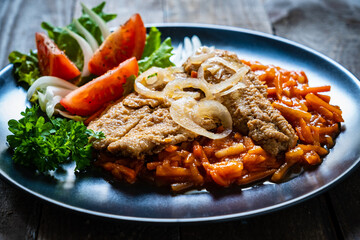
<point>20,20</point>
<point>330,27</point>
<point>57,223</point>
<point>291,223</point>
<point>19,213</point>
<point>243,13</point>
<point>124,10</point>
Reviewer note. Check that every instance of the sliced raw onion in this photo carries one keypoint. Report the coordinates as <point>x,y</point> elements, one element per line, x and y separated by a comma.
<point>180,94</point>
<point>45,81</point>
<point>195,40</point>
<point>230,82</point>
<point>98,20</point>
<point>235,66</point>
<point>234,88</point>
<point>201,55</point>
<point>176,57</point>
<point>88,36</point>
<point>150,79</point>
<point>42,101</point>
<point>50,105</point>
<point>174,89</point>
<point>57,91</point>
<point>86,49</point>
<point>184,110</point>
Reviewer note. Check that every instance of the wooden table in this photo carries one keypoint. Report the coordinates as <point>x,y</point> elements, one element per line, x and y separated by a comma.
<point>331,27</point>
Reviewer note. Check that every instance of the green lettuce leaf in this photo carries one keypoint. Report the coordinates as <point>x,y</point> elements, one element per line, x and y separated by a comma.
<point>156,54</point>
<point>153,42</point>
<point>26,67</point>
<point>68,44</point>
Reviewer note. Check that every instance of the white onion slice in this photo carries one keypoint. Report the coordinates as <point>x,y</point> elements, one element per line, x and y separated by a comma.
<point>232,65</point>
<point>180,94</point>
<point>98,20</point>
<point>180,83</point>
<point>176,57</point>
<point>88,36</point>
<point>201,55</point>
<point>50,105</point>
<point>195,40</point>
<point>45,81</point>
<point>58,91</point>
<point>141,83</point>
<point>188,48</point>
<point>232,89</point>
<point>42,101</point>
<point>230,82</point>
<point>184,110</point>
<point>86,49</point>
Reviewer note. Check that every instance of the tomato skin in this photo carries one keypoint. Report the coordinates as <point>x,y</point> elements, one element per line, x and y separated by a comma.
<point>127,41</point>
<point>90,97</point>
<point>53,61</point>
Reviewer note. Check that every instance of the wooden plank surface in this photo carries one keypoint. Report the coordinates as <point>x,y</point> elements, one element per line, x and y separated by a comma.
<point>328,216</point>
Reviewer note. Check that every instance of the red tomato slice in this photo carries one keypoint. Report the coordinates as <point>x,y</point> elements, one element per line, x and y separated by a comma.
<point>53,61</point>
<point>90,97</point>
<point>126,42</point>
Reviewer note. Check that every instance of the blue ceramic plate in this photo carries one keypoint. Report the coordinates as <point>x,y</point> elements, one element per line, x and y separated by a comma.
<point>92,194</point>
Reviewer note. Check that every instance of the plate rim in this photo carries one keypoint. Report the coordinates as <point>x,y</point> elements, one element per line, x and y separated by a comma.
<point>224,217</point>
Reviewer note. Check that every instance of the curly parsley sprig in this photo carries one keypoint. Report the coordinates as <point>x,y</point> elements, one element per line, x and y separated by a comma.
<point>46,144</point>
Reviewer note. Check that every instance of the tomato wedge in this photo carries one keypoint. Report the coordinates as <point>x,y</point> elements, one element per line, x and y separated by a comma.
<point>53,61</point>
<point>90,97</point>
<point>126,42</point>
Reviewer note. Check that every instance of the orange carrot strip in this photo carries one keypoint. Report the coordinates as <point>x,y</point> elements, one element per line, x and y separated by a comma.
<point>315,101</point>
<point>254,176</point>
<point>199,153</point>
<point>257,150</point>
<point>278,87</point>
<point>171,148</point>
<point>338,117</point>
<point>271,90</point>
<point>196,174</point>
<point>312,158</point>
<point>120,171</point>
<point>325,112</point>
<point>319,150</point>
<point>299,133</point>
<point>289,83</point>
<point>281,172</point>
<point>326,98</point>
<point>163,171</point>
<point>291,112</point>
<point>294,155</point>
<point>308,90</point>
<point>329,130</point>
<point>316,136</point>
<point>306,132</point>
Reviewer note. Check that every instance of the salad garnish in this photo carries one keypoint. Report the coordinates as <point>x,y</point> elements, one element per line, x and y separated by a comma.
<point>56,86</point>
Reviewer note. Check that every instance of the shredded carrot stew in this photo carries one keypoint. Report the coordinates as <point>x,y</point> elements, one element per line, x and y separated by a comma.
<point>236,159</point>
